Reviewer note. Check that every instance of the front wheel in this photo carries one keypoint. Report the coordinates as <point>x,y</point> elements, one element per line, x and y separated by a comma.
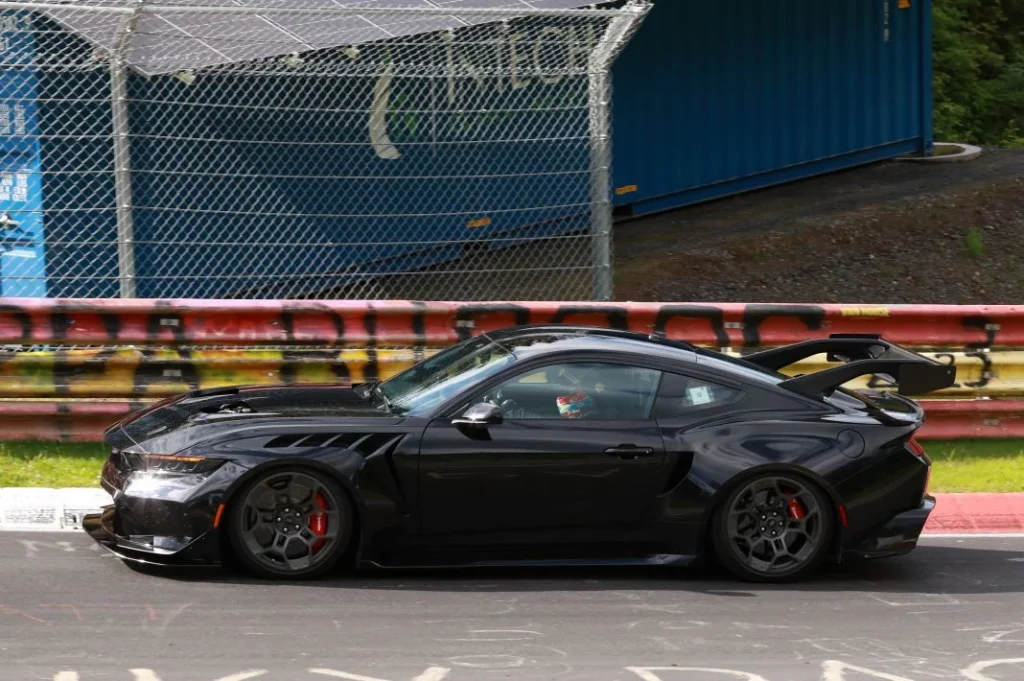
<point>774,528</point>
<point>290,524</point>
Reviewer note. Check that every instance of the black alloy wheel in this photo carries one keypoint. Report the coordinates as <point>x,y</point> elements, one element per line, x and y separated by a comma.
<point>290,524</point>
<point>773,528</point>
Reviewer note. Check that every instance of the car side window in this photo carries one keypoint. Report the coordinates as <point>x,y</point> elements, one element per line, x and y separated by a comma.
<point>680,395</point>
<point>578,390</point>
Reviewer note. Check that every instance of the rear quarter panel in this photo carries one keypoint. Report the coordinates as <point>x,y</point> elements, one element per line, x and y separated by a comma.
<point>871,481</point>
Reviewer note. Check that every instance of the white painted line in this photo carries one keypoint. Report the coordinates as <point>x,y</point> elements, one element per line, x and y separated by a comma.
<point>144,675</point>
<point>973,535</point>
<point>647,673</point>
<point>242,676</point>
<point>834,670</point>
<point>974,671</point>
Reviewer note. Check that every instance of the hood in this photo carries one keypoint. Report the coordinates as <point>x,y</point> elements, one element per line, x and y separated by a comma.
<point>219,405</point>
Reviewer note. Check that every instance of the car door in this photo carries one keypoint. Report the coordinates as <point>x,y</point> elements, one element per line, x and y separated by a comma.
<point>577,452</point>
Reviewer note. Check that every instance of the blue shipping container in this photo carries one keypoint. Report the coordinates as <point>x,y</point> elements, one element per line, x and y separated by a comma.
<point>715,98</point>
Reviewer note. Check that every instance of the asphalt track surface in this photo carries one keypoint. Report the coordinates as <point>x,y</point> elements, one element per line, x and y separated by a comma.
<point>954,609</point>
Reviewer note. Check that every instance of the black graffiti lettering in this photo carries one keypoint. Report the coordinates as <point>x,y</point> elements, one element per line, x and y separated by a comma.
<point>157,372</point>
<point>419,329</point>
<point>371,371</point>
<point>712,313</point>
<point>617,317</point>
<point>166,316</point>
<point>986,369</point>
<point>985,325</point>
<point>754,315</point>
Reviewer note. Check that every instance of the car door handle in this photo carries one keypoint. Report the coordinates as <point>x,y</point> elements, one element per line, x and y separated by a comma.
<point>629,452</point>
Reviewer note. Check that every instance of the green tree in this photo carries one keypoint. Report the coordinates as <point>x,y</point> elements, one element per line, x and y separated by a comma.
<point>978,55</point>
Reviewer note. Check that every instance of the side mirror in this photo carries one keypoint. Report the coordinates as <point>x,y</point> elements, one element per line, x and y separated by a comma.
<point>482,414</point>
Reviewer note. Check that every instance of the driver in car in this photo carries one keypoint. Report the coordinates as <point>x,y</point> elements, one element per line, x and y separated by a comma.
<point>574,406</point>
<point>581,402</point>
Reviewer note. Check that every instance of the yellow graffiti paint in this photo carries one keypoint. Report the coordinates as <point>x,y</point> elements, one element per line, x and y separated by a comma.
<point>160,372</point>
<point>479,222</point>
<point>135,373</point>
<point>864,311</point>
<point>628,189</point>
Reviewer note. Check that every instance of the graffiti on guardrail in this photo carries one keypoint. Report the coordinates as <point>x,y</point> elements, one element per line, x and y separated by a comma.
<point>62,356</point>
<point>159,372</point>
<point>437,324</point>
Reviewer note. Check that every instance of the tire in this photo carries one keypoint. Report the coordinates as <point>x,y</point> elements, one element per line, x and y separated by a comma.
<point>290,523</point>
<point>742,527</point>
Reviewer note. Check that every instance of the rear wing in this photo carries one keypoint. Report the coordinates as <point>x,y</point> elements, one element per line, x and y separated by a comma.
<point>863,355</point>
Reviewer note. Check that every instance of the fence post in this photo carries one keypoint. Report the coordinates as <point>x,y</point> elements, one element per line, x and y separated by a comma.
<point>615,37</point>
<point>123,154</point>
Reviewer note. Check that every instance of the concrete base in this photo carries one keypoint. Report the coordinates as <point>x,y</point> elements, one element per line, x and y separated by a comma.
<point>45,508</point>
<point>966,152</point>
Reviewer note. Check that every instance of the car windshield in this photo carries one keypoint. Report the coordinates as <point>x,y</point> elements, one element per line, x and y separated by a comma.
<point>427,385</point>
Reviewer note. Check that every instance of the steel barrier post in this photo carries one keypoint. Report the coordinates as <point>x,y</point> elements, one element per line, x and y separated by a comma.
<point>600,94</point>
<point>122,154</point>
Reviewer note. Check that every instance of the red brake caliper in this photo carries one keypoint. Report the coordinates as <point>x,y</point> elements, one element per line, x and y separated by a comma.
<point>795,509</point>
<point>318,521</point>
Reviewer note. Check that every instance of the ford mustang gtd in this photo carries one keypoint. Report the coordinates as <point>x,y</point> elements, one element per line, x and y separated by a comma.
<point>536,445</point>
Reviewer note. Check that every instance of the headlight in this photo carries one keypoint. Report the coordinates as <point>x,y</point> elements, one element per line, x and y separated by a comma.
<point>172,463</point>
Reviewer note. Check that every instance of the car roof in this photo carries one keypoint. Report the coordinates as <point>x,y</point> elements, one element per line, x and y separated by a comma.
<point>532,341</point>
<point>536,340</point>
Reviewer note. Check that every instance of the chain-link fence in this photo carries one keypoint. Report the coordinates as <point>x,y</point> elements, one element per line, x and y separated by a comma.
<point>308,149</point>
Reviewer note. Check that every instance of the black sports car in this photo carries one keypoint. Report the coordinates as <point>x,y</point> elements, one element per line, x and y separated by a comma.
<point>536,445</point>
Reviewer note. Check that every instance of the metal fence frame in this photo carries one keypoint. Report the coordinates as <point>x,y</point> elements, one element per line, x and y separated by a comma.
<point>626,19</point>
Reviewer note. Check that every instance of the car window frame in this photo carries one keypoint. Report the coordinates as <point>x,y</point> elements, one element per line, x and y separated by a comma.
<point>467,400</point>
<point>739,389</point>
<point>460,402</point>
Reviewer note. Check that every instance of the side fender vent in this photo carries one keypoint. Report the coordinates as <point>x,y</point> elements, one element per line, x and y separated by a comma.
<point>283,441</point>
<point>366,444</point>
<point>683,465</point>
<point>377,444</point>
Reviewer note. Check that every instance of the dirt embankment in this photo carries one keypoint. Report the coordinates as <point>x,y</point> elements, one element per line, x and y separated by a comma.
<point>888,233</point>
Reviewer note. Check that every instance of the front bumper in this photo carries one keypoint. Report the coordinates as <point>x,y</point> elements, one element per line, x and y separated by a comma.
<point>150,549</point>
<point>899,535</point>
<point>163,519</point>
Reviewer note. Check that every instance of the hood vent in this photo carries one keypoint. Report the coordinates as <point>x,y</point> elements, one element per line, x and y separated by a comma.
<point>364,443</point>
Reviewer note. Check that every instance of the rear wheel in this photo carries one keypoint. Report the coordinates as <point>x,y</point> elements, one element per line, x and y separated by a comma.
<point>773,528</point>
<point>290,524</point>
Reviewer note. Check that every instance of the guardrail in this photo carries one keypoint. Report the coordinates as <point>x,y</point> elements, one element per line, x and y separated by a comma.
<point>437,324</point>
<point>70,367</point>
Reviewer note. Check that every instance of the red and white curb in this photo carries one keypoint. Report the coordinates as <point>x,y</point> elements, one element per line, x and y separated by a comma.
<point>974,513</point>
<point>955,515</point>
<point>42,509</point>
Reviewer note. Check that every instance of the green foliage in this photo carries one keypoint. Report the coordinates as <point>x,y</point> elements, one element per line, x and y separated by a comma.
<point>975,246</point>
<point>51,464</point>
<point>976,465</point>
<point>978,59</point>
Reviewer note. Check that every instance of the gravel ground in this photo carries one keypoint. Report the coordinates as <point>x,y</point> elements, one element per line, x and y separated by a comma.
<point>887,233</point>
